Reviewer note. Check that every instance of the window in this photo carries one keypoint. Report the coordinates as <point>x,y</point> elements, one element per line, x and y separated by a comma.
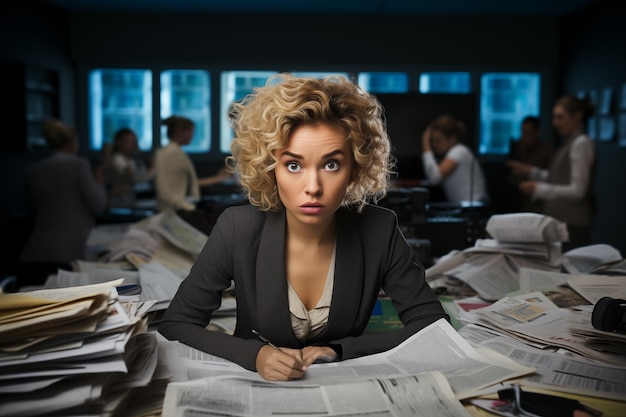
<point>505,99</point>
<point>188,93</point>
<point>384,82</point>
<point>445,82</point>
<point>120,98</point>
<point>235,85</point>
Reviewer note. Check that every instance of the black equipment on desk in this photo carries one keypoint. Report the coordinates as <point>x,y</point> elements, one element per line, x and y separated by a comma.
<point>609,314</point>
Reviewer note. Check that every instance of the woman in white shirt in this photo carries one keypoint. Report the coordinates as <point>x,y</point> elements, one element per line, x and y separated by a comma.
<point>566,188</point>
<point>177,184</point>
<point>458,172</point>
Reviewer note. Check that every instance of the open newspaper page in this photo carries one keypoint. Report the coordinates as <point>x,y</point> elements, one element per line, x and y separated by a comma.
<point>437,347</point>
<point>417,395</point>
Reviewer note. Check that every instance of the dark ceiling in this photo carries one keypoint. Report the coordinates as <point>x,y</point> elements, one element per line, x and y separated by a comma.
<point>336,7</point>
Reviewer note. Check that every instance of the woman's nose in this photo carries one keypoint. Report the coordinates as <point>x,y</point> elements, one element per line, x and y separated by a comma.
<point>313,183</point>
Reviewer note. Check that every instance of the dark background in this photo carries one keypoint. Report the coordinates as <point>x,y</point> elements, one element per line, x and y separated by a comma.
<point>575,50</point>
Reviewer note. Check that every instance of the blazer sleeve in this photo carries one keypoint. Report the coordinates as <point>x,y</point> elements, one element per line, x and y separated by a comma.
<point>200,294</point>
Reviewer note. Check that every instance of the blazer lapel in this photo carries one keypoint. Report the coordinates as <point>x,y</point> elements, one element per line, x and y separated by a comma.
<point>271,282</point>
<point>348,277</point>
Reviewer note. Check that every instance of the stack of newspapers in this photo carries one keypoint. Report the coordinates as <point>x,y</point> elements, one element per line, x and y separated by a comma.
<point>80,350</point>
<point>517,240</point>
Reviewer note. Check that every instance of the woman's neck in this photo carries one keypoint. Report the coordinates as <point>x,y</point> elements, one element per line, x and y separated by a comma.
<point>311,234</point>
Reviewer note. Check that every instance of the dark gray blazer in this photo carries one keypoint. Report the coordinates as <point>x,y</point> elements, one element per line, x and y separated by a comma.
<point>248,246</point>
<point>66,199</point>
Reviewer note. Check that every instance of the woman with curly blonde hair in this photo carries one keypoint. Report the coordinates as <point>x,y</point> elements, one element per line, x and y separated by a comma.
<point>311,253</point>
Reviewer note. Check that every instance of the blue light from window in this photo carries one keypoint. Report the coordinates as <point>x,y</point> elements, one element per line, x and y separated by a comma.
<point>445,82</point>
<point>505,99</point>
<point>384,82</point>
<point>120,98</point>
<point>187,93</point>
<point>235,85</point>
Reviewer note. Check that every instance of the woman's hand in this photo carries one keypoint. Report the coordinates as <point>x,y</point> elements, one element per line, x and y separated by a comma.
<point>311,354</point>
<point>280,365</point>
<point>528,187</point>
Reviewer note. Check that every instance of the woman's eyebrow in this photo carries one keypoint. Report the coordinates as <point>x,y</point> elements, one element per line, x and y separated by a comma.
<point>328,155</point>
<point>292,155</point>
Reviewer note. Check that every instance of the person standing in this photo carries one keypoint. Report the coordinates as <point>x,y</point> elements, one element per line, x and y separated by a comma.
<point>177,184</point>
<point>566,187</point>
<point>530,149</point>
<point>175,179</point>
<point>66,197</point>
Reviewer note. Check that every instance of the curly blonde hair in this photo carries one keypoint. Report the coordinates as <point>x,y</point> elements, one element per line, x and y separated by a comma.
<point>264,121</point>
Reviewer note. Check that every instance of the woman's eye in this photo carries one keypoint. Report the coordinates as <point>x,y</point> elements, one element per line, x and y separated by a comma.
<point>293,167</point>
<point>332,165</point>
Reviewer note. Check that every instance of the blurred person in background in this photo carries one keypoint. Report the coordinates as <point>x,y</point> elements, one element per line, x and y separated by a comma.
<point>66,195</point>
<point>566,187</point>
<point>530,149</point>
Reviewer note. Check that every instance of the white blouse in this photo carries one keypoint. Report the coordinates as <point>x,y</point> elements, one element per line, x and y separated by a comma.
<point>309,323</point>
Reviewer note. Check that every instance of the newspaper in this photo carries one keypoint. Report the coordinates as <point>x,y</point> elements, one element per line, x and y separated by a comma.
<point>537,324</point>
<point>594,287</point>
<point>180,233</point>
<point>491,276</point>
<point>437,347</point>
<point>526,227</point>
<point>589,259</point>
<point>549,252</point>
<point>418,395</point>
<point>555,371</point>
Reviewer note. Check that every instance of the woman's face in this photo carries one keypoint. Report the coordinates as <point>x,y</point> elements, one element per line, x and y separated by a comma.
<point>313,173</point>
<point>566,124</point>
<point>440,142</point>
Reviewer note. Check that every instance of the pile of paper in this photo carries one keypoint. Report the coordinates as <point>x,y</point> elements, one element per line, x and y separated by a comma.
<point>164,238</point>
<point>76,351</point>
<point>526,228</point>
<point>518,240</point>
<point>599,258</point>
<point>548,325</point>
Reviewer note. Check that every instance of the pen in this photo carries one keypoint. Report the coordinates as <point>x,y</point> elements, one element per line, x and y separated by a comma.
<point>266,340</point>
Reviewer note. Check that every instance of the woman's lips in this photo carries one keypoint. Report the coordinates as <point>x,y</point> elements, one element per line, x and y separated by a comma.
<point>311,208</point>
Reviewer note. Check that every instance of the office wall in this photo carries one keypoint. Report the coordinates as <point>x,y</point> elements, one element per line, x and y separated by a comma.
<point>595,58</point>
<point>346,43</point>
<point>35,34</point>
<point>587,53</point>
